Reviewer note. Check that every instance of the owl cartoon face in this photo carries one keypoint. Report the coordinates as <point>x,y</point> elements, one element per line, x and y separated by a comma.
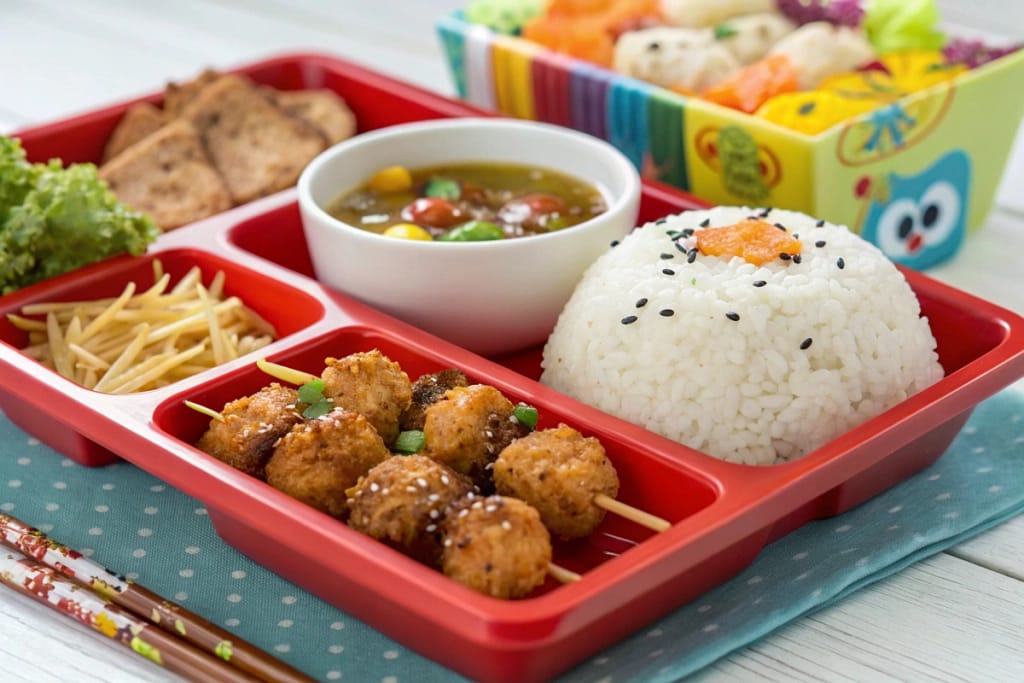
<point>923,218</point>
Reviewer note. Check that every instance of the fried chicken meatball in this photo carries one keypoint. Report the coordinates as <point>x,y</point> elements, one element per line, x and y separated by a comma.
<point>402,502</point>
<point>317,461</point>
<point>428,390</point>
<point>372,384</point>
<point>252,424</point>
<point>467,429</point>
<point>497,546</point>
<point>559,472</point>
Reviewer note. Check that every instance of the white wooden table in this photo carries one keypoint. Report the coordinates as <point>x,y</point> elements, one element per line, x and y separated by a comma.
<point>58,58</point>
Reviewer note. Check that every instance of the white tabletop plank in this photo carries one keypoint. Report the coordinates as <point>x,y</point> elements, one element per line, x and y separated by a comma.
<point>1001,550</point>
<point>40,645</point>
<point>943,619</point>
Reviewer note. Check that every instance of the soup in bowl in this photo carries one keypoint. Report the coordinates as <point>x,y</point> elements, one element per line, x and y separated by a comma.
<point>494,295</point>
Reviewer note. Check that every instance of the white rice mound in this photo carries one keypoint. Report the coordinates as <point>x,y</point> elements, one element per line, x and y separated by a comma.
<point>742,390</point>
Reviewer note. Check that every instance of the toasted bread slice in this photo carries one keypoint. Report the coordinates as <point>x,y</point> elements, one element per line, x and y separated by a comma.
<point>324,109</point>
<point>177,95</point>
<point>257,148</point>
<point>168,175</point>
<point>139,120</point>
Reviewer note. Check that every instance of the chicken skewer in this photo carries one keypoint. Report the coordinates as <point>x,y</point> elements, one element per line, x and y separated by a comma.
<point>568,450</point>
<point>405,502</point>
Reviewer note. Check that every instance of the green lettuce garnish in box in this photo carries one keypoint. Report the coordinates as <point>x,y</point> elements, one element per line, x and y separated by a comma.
<point>55,219</point>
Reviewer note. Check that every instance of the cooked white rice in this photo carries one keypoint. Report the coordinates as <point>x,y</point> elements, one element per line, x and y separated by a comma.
<point>749,390</point>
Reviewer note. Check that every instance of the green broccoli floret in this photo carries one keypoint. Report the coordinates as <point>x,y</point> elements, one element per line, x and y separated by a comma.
<point>55,219</point>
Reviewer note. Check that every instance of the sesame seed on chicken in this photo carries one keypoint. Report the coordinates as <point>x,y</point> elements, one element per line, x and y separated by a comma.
<point>497,546</point>
<point>250,427</point>
<point>467,429</point>
<point>317,461</point>
<point>371,384</point>
<point>559,472</point>
<point>402,502</point>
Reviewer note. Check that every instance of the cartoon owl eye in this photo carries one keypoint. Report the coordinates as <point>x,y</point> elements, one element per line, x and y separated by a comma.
<point>940,208</point>
<point>895,225</point>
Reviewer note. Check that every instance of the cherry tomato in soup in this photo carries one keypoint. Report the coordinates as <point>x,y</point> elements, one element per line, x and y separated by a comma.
<point>433,212</point>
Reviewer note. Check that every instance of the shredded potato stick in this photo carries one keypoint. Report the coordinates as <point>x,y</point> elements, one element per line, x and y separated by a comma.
<point>100,321</point>
<point>60,359</point>
<point>124,360</point>
<point>216,288</point>
<point>142,340</point>
<point>157,370</point>
<point>187,283</point>
<point>87,359</point>
<point>220,354</point>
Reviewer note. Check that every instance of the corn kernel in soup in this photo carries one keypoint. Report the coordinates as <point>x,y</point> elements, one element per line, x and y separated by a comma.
<point>469,201</point>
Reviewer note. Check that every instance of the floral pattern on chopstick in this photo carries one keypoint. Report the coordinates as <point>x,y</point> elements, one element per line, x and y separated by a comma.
<point>70,562</point>
<point>63,594</point>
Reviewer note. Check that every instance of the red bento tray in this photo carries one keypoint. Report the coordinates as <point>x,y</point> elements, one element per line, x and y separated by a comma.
<point>722,514</point>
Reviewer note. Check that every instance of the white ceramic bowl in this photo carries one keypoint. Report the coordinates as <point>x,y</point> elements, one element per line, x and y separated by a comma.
<point>489,297</point>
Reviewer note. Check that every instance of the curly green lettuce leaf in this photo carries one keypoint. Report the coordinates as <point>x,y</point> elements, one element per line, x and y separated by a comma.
<point>17,176</point>
<point>68,218</point>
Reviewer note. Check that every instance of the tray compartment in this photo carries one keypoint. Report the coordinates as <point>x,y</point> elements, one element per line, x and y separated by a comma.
<point>286,308</point>
<point>647,481</point>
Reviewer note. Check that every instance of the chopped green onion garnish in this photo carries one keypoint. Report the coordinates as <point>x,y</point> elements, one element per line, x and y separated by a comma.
<point>312,394</point>
<point>527,415</point>
<point>312,391</point>
<point>445,188</point>
<point>411,441</point>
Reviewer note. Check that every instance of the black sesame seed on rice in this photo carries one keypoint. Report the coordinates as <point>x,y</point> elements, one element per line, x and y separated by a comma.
<point>840,263</point>
<point>819,243</point>
<point>806,344</point>
<point>614,243</point>
<point>784,256</point>
<point>665,256</point>
<point>686,232</point>
<point>666,313</point>
<point>680,247</point>
<point>780,226</point>
<point>797,258</point>
<point>629,320</point>
<point>640,303</point>
<point>760,283</point>
<point>705,223</point>
<point>732,316</point>
<point>764,212</point>
<point>691,255</point>
<point>660,221</point>
<point>820,224</point>
<point>668,271</point>
<point>796,235</point>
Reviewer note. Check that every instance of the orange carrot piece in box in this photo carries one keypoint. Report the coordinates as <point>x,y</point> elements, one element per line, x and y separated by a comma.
<point>752,239</point>
<point>587,29</point>
<point>752,85</point>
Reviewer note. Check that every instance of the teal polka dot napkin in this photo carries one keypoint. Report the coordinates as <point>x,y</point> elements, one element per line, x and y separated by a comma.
<point>136,525</point>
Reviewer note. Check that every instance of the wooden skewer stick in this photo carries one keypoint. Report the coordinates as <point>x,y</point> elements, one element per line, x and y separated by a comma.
<point>209,412</point>
<point>631,513</point>
<point>285,373</point>
<point>562,574</point>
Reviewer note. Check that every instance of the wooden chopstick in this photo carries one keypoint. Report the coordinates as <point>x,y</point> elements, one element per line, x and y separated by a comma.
<point>193,641</point>
<point>53,589</point>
